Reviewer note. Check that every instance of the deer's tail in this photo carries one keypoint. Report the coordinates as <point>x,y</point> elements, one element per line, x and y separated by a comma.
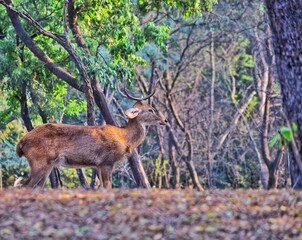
<point>19,148</point>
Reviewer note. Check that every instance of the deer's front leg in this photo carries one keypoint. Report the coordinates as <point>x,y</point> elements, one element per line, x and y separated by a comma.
<point>106,172</point>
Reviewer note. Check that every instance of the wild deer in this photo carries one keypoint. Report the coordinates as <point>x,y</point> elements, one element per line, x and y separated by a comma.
<point>99,147</point>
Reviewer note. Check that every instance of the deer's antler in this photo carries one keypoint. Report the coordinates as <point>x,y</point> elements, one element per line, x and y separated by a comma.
<point>153,84</point>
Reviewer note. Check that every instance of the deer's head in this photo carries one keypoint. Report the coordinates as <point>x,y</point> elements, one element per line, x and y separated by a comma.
<point>145,114</point>
<point>141,110</point>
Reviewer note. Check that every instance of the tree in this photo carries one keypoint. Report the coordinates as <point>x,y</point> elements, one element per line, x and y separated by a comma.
<point>286,25</point>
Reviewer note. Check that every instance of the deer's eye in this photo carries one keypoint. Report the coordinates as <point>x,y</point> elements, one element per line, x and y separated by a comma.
<point>150,110</point>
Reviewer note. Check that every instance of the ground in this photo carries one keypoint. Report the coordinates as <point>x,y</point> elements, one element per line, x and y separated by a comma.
<point>150,214</point>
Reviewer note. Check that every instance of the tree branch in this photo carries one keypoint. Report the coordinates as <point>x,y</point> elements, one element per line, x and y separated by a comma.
<point>38,52</point>
<point>233,124</point>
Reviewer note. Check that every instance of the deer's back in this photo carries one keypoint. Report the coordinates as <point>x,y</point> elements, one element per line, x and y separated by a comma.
<point>78,144</point>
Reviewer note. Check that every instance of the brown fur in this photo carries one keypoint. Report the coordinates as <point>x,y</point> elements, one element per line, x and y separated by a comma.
<point>100,147</point>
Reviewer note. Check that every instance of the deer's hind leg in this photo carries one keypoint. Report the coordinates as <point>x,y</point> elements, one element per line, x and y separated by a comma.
<point>38,174</point>
<point>99,175</point>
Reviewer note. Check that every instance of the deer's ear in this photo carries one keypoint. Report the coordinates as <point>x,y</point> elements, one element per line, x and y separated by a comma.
<point>132,112</point>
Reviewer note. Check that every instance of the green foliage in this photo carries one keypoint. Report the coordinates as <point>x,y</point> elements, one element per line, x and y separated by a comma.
<point>10,129</point>
<point>238,175</point>
<point>157,34</point>
<point>63,101</point>
<point>189,8</point>
<point>111,25</point>
<point>6,109</point>
<point>294,128</point>
<point>285,134</point>
<point>251,107</point>
<point>11,132</point>
<point>275,138</point>
<point>156,168</point>
<point>241,65</point>
<point>70,177</point>
<point>159,167</point>
<point>74,107</point>
<point>121,38</point>
<point>19,65</point>
<point>12,166</point>
<point>244,63</point>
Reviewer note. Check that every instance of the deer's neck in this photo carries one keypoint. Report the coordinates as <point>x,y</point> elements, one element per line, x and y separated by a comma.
<point>135,133</point>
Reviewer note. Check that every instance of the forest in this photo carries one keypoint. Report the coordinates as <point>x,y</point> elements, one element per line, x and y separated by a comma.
<point>227,77</point>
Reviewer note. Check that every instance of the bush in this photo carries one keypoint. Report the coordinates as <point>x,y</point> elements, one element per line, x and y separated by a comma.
<point>12,166</point>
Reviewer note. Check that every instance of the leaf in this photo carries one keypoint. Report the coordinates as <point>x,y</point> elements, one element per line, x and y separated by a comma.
<point>274,139</point>
<point>6,231</point>
<point>286,133</point>
<point>212,214</point>
<point>211,229</point>
<point>294,127</point>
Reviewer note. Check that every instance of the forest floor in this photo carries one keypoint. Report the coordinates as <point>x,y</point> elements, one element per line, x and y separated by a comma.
<point>150,214</point>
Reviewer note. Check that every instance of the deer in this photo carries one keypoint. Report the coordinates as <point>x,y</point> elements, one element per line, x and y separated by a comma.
<point>100,147</point>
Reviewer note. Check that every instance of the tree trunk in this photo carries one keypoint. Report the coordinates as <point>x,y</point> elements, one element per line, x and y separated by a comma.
<point>286,24</point>
<point>36,102</point>
<point>55,178</point>
<point>82,178</point>
<point>212,103</point>
<point>190,163</point>
<point>138,171</point>
<point>162,158</point>
<point>175,166</point>
<point>24,108</point>
<point>273,170</point>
